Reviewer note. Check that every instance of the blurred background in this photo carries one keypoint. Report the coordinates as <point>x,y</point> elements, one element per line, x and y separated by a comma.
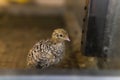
<point>93,26</point>
<point>24,22</point>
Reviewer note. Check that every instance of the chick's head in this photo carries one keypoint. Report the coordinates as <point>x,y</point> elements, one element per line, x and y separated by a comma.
<point>60,35</point>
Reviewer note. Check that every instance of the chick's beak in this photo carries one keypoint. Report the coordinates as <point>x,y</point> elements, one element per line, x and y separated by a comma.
<point>68,39</point>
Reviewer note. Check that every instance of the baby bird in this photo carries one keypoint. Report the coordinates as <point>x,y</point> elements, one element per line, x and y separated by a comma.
<point>48,52</point>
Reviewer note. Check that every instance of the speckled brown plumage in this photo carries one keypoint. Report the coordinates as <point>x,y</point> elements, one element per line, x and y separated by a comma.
<point>48,52</point>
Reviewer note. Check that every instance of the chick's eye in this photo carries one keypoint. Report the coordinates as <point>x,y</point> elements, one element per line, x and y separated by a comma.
<point>61,35</point>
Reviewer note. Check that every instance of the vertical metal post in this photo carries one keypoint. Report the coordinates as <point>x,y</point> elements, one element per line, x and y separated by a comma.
<point>94,33</point>
<point>95,27</point>
<point>103,33</point>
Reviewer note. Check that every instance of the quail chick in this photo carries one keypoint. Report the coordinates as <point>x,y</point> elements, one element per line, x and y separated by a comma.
<point>48,52</point>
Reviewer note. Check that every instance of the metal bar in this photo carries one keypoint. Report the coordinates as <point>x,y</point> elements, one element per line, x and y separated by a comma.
<point>102,39</point>
<point>95,28</point>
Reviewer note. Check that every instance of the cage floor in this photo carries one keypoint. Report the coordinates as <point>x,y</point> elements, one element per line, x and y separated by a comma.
<point>19,33</point>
